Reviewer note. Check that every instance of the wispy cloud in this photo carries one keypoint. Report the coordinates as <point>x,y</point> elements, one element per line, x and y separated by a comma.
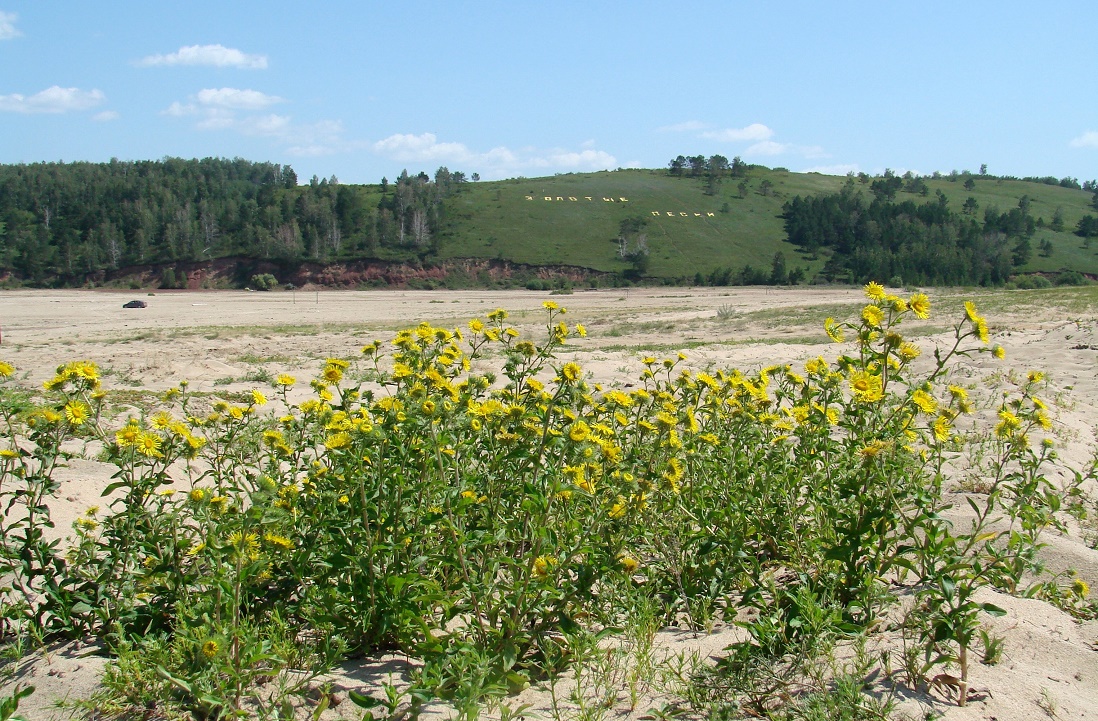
<point>54,99</point>
<point>236,110</point>
<point>1088,139</point>
<point>106,116</point>
<point>236,99</point>
<point>214,55</point>
<point>7,26</point>
<point>497,162</point>
<point>755,131</point>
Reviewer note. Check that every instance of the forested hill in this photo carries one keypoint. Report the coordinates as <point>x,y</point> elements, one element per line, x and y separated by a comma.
<point>701,220</point>
<point>68,220</point>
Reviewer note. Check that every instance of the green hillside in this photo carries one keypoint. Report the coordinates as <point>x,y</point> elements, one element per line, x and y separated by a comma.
<point>512,220</point>
<point>100,223</point>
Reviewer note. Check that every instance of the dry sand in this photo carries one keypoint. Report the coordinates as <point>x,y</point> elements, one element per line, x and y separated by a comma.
<point>218,340</point>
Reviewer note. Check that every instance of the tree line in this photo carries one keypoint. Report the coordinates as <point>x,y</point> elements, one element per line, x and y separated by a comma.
<point>924,243</point>
<point>61,221</point>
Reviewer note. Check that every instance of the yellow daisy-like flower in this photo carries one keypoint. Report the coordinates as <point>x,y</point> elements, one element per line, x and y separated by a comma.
<point>550,305</point>
<point>999,352</point>
<point>197,495</point>
<point>909,351</point>
<point>543,565</point>
<point>571,372</point>
<point>210,648</point>
<point>76,412</point>
<point>280,542</point>
<point>834,332</point>
<point>332,374</point>
<point>866,387</point>
<point>920,305</point>
<point>970,311</point>
<point>581,330</point>
<point>148,444</point>
<point>579,432</point>
<point>258,398</point>
<point>981,330</point>
<point>941,429</point>
<point>337,440</point>
<point>6,369</point>
<point>874,291</point>
<point>285,380</point>
<point>1080,588</point>
<point>926,402</point>
<point>628,563</point>
<point>873,316</point>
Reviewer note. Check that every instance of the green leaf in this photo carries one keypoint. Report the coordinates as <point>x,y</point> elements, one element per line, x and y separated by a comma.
<point>362,700</point>
<point>993,609</point>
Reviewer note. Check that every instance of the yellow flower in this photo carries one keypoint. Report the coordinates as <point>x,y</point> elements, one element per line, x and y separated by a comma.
<point>866,387</point>
<point>579,432</point>
<point>926,402</point>
<point>618,509</point>
<point>581,330</point>
<point>337,440</point>
<point>958,392</point>
<point>873,316</point>
<point>920,305</point>
<point>550,305</point>
<point>258,398</point>
<point>981,330</point>
<point>941,429</point>
<point>1035,376</point>
<point>76,412</point>
<point>285,380</point>
<point>970,312</point>
<point>1080,588</point>
<point>543,565</point>
<point>571,372</point>
<point>344,499</point>
<point>197,495</point>
<point>280,542</point>
<point>148,444</point>
<point>628,563</point>
<point>874,291</point>
<point>332,374</point>
<point>9,453</point>
<point>833,330</point>
<point>6,369</point>
<point>210,648</point>
<point>999,352</point>
<point>910,351</point>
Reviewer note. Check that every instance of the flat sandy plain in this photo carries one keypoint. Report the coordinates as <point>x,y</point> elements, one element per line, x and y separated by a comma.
<point>229,341</point>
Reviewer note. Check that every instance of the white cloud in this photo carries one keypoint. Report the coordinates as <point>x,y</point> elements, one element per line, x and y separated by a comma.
<point>768,147</point>
<point>216,55</point>
<point>755,131</point>
<point>688,126</point>
<point>497,162</point>
<point>237,99</point>
<point>1088,139</point>
<point>7,26</point>
<point>837,169</point>
<point>52,100</point>
<point>106,116</point>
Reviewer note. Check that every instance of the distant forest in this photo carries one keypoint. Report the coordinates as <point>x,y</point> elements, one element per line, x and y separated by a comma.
<point>923,243</point>
<point>62,220</point>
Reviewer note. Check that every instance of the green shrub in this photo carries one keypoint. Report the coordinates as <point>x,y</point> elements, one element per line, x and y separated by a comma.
<point>264,281</point>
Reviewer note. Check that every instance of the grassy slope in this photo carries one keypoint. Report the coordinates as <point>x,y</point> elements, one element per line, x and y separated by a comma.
<point>495,220</point>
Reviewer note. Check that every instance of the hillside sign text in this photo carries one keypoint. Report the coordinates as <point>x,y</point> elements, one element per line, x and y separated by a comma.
<point>657,213</point>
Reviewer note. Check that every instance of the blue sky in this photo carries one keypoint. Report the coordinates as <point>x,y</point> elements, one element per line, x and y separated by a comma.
<point>362,90</point>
